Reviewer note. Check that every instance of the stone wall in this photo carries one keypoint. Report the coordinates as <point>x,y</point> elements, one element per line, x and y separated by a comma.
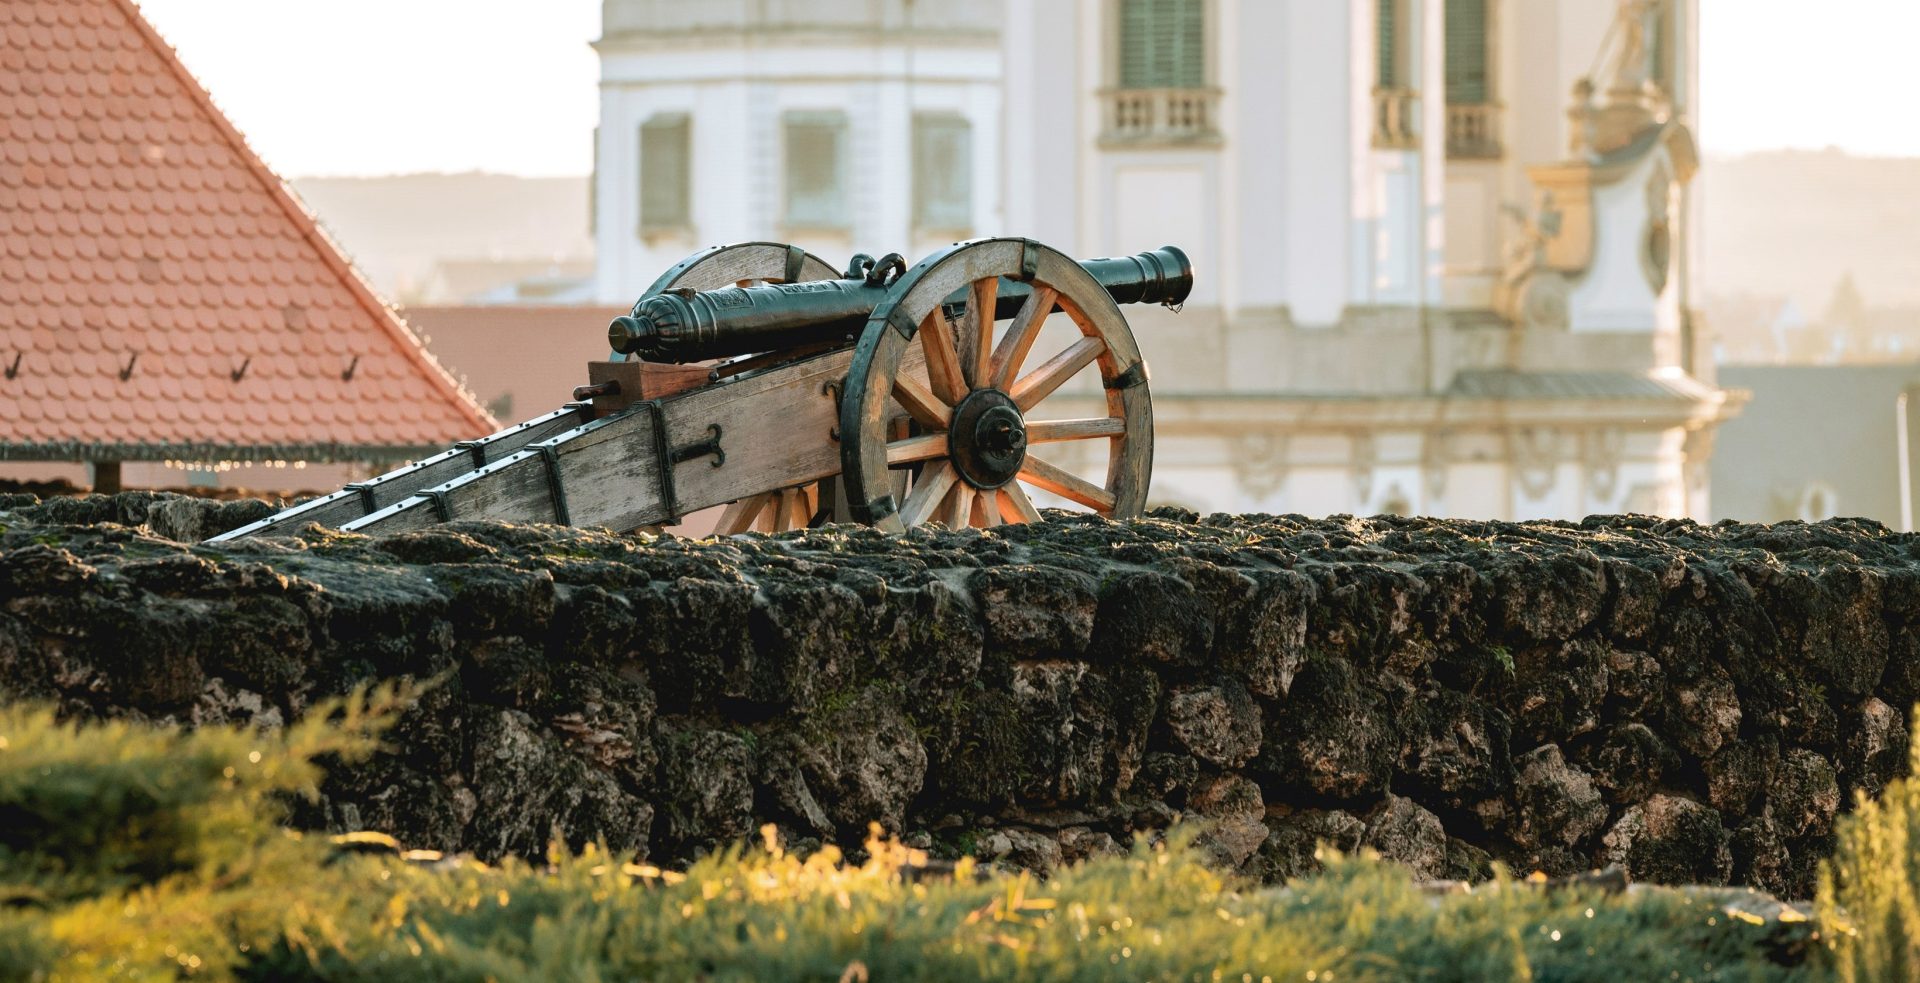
<point>1695,703</point>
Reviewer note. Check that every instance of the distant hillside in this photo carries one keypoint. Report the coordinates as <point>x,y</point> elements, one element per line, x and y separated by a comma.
<point>1787,222</point>
<point>397,228</point>
<point>1794,222</point>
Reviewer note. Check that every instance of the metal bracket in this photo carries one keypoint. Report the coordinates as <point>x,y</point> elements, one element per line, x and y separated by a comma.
<point>662,459</point>
<point>835,389</point>
<point>875,510</point>
<point>796,263</point>
<point>1029,260</point>
<point>440,507</point>
<point>666,456</point>
<point>1133,376</point>
<point>897,317</point>
<point>477,449</point>
<point>365,491</point>
<point>699,449</point>
<point>556,488</point>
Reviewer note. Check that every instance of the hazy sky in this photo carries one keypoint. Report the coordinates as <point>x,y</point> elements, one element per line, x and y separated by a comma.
<point>331,87</point>
<point>391,86</point>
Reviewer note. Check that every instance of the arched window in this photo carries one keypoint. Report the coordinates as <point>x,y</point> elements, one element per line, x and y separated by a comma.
<point>1163,44</point>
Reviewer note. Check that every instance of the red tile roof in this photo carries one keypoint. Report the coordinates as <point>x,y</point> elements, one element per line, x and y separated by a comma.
<point>532,356</point>
<point>162,293</point>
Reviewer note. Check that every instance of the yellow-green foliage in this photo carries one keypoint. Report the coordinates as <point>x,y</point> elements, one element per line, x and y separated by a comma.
<point>1869,900</point>
<point>154,854</point>
<point>139,852</point>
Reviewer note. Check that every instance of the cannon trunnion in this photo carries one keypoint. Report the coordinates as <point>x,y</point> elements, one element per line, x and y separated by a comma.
<point>884,395</point>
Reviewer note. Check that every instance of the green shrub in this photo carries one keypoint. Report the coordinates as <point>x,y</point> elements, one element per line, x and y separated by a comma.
<point>1869,901</point>
<point>155,854</point>
<point>140,852</point>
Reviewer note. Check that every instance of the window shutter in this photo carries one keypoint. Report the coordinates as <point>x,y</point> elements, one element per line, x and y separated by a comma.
<point>1387,35</point>
<point>942,173</point>
<point>666,172</point>
<point>1467,78</point>
<point>1163,44</point>
<point>816,146</point>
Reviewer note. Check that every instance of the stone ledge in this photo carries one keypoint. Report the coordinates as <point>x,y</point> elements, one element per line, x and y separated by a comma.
<point>1694,703</point>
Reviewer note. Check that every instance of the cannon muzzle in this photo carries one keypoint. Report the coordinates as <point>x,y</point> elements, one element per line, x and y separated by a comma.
<point>689,326</point>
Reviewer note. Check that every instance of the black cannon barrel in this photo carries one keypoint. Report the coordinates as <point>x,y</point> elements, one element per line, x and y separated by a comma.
<point>687,326</point>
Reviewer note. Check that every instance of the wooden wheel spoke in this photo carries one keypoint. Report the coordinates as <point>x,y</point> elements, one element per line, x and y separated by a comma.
<point>943,359</point>
<point>791,510</point>
<point>959,506</point>
<point>1046,431</point>
<point>928,493</point>
<point>912,449</point>
<point>921,404</point>
<point>986,509</point>
<point>980,304</point>
<point>1065,484</point>
<point>739,516</point>
<point>1015,506</point>
<point>1038,384</point>
<point>1021,335</point>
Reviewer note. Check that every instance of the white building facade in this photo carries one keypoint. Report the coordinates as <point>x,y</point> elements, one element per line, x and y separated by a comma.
<point>841,125</point>
<point>1443,246</point>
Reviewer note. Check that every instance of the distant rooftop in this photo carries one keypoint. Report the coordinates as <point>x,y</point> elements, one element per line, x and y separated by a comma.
<point>162,294</point>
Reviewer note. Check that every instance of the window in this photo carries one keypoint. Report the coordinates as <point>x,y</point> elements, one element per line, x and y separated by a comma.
<point>942,172</point>
<point>1389,29</point>
<point>1473,117</point>
<point>666,173</point>
<point>1468,83</point>
<point>816,146</point>
<point>1660,47</point>
<point>1395,108</point>
<point>1162,44</point>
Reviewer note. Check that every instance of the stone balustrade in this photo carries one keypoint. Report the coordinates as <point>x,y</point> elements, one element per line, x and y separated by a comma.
<point>1161,116</point>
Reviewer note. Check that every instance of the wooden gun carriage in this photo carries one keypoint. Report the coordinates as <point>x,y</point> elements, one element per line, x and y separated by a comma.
<point>883,395</point>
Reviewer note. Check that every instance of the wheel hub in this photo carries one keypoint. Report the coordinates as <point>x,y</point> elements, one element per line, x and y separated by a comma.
<point>988,442</point>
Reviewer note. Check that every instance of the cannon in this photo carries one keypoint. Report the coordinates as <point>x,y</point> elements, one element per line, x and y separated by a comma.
<point>881,394</point>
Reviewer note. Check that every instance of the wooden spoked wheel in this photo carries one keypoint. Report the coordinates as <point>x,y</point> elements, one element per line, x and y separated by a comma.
<point>774,511</point>
<point>947,395</point>
<point>742,264</point>
<point>747,264</point>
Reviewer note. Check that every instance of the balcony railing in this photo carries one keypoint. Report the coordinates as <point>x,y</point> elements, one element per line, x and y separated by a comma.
<point>1147,116</point>
<point>1394,112</point>
<point>1473,131</point>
